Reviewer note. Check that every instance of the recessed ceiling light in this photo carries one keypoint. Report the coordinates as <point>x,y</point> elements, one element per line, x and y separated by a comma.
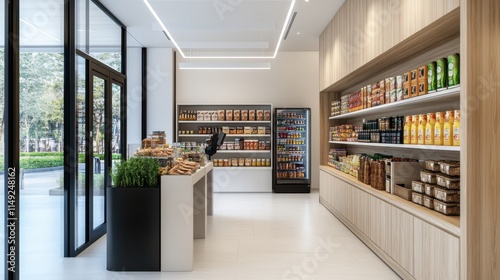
<point>167,33</point>
<point>298,33</point>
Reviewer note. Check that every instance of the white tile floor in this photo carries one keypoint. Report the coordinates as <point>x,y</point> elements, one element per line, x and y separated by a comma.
<point>253,237</point>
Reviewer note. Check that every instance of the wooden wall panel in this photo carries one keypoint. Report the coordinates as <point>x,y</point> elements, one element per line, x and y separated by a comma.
<point>380,223</point>
<point>364,29</point>
<point>402,239</point>
<point>324,186</point>
<point>360,207</point>
<point>436,253</point>
<point>481,103</point>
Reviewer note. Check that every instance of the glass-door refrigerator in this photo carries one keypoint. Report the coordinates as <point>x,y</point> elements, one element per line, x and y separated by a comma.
<point>292,150</point>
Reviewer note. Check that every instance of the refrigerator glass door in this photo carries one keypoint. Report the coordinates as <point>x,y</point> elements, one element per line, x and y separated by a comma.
<point>292,161</point>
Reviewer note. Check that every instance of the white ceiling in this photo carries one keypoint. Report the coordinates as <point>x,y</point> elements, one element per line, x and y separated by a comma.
<point>226,27</point>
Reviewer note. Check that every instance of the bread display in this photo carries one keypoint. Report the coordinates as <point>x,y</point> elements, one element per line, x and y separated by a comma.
<point>184,168</point>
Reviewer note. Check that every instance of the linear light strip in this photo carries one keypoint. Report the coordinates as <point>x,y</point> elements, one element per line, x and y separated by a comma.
<point>290,10</point>
<point>163,27</point>
<point>284,28</point>
<point>224,66</point>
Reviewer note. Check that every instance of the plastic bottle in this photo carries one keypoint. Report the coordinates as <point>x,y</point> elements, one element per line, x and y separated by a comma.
<point>448,129</point>
<point>407,130</point>
<point>414,126</point>
<point>438,129</point>
<point>456,128</point>
<point>422,122</point>
<point>429,129</point>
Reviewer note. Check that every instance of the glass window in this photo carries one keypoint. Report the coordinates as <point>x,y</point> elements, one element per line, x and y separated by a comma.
<point>2,84</point>
<point>81,126</point>
<point>41,116</point>
<point>98,35</point>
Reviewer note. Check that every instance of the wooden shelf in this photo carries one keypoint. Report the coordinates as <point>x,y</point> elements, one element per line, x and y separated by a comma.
<point>450,224</point>
<point>226,122</point>
<point>227,135</point>
<point>401,146</point>
<point>429,99</point>
<point>439,32</point>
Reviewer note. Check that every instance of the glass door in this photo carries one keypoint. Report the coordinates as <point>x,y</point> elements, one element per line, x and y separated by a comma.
<point>292,150</point>
<point>98,138</point>
<point>99,112</point>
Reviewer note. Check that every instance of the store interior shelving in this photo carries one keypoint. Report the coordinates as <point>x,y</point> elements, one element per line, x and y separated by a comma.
<point>366,210</point>
<point>256,158</point>
<point>400,146</point>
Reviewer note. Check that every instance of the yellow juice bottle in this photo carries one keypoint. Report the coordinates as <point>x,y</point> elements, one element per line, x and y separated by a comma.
<point>422,122</point>
<point>456,128</point>
<point>448,129</point>
<point>414,126</point>
<point>438,128</point>
<point>407,130</point>
<point>429,129</point>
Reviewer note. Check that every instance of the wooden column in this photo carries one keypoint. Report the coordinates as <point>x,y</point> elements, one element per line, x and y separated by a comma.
<point>480,145</point>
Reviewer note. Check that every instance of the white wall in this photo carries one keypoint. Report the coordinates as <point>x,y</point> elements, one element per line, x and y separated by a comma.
<point>160,91</point>
<point>134,95</point>
<point>293,81</point>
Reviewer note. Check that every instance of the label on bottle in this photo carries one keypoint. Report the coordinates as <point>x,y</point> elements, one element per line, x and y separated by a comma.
<point>447,136</point>
<point>413,135</point>
<point>456,136</point>
<point>421,136</point>
<point>438,137</point>
<point>429,135</point>
<point>406,137</point>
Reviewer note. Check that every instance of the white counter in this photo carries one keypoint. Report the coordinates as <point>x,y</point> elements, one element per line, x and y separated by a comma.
<point>184,207</point>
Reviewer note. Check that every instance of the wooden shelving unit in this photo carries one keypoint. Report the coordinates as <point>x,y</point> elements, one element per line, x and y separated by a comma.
<point>399,146</point>
<point>391,226</point>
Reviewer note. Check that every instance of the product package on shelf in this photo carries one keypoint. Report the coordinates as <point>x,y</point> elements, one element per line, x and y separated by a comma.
<point>453,70</point>
<point>423,80</point>
<point>377,175</point>
<point>431,76</point>
<point>435,75</point>
<point>442,73</point>
<point>440,186</point>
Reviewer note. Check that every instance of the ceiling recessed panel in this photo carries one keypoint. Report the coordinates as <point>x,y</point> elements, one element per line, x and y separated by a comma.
<point>249,28</point>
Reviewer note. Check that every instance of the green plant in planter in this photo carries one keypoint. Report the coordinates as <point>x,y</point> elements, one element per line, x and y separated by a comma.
<point>136,173</point>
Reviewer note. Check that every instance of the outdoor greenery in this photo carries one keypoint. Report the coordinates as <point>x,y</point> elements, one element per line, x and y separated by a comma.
<point>41,99</point>
<point>98,181</point>
<point>136,173</point>
<point>49,159</point>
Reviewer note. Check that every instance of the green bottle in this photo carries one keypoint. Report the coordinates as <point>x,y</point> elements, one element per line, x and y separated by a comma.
<point>453,70</point>
<point>442,73</point>
<point>431,76</point>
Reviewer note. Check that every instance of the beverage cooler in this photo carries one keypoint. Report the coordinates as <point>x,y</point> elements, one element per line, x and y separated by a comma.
<point>292,150</point>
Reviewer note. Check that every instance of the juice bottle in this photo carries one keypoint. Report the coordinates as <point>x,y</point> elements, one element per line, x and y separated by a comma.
<point>438,128</point>
<point>429,129</point>
<point>448,129</point>
<point>456,128</point>
<point>407,130</point>
<point>422,122</point>
<point>414,126</point>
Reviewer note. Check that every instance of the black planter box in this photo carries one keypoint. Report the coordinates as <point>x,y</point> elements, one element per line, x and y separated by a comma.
<point>133,220</point>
